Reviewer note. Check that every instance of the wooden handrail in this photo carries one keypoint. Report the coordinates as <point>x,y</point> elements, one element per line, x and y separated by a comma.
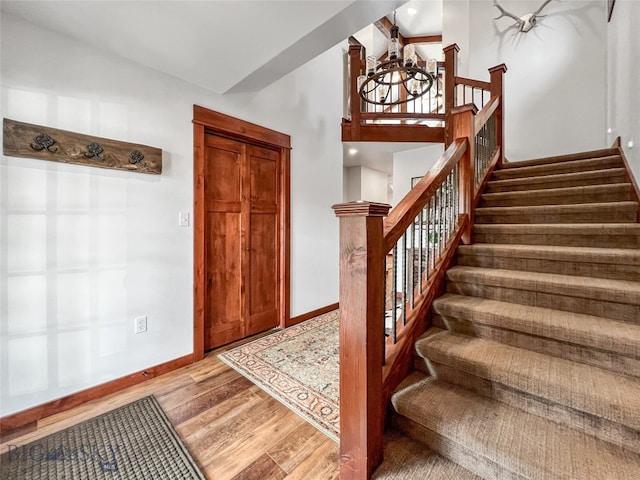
<point>483,115</point>
<point>405,211</point>
<point>401,115</point>
<point>470,82</point>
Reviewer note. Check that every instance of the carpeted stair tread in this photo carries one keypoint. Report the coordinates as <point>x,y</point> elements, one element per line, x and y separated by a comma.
<point>626,235</point>
<point>531,447</point>
<point>599,163</point>
<point>407,459</point>
<point>560,196</point>
<point>604,152</point>
<point>605,212</point>
<point>555,252</point>
<point>581,387</point>
<point>585,330</point>
<point>575,179</point>
<point>614,263</point>
<point>618,291</point>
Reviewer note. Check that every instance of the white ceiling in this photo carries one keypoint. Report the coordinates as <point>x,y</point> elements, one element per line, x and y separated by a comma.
<point>427,19</point>
<point>224,46</point>
<point>375,155</point>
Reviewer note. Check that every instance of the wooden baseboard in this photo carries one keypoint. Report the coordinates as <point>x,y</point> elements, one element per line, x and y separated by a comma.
<point>21,419</point>
<point>309,315</point>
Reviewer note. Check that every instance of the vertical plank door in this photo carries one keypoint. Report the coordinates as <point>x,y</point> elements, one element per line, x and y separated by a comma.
<point>262,220</point>
<point>241,246</point>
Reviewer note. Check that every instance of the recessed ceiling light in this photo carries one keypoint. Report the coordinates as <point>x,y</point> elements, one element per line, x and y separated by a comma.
<point>353,151</point>
<point>411,11</point>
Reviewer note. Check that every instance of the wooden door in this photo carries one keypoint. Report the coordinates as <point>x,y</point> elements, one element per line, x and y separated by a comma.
<point>241,239</point>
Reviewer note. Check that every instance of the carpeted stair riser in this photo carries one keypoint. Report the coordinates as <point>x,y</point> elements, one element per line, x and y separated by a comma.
<point>608,360</point>
<point>560,381</point>
<point>462,455</point>
<point>591,262</point>
<point>407,459</point>
<point>599,333</point>
<point>616,212</point>
<point>615,299</point>
<point>496,440</point>
<point>563,180</point>
<point>596,426</point>
<point>553,388</point>
<point>570,235</point>
<point>617,311</point>
<point>560,196</point>
<point>602,163</point>
<point>590,155</point>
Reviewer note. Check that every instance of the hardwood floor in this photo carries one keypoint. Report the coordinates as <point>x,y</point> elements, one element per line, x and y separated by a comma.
<point>233,429</point>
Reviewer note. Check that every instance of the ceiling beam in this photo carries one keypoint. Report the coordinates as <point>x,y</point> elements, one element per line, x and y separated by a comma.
<point>424,39</point>
<point>384,25</point>
<point>355,16</point>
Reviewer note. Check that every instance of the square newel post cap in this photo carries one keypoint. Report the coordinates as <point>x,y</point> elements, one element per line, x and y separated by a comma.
<point>453,46</point>
<point>502,68</point>
<point>361,209</point>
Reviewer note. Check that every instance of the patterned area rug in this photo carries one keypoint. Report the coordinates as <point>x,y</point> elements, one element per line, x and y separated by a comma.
<point>299,367</point>
<point>135,441</point>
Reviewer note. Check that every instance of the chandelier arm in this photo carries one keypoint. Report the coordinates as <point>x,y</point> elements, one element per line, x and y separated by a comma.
<point>364,94</point>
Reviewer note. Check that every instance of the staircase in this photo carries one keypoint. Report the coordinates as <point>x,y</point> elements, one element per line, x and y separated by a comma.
<point>532,367</point>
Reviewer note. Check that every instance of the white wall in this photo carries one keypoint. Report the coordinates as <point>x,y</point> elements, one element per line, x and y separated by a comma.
<point>85,250</point>
<point>364,183</point>
<point>556,80</point>
<point>623,86</point>
<point>412,163</point>
<point>374,185</point>
<point>352,184</point>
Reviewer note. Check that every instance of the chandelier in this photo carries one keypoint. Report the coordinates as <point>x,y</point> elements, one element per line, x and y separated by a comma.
<point>396,80</point>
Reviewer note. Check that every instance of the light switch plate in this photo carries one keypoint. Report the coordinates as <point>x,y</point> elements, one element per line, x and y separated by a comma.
<point>183,219</point>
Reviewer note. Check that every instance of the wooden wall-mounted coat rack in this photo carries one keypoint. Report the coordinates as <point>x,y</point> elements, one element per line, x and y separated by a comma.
<point>33,141</point>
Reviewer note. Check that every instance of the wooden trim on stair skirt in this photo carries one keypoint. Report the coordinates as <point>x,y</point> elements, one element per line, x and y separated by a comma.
<point>636,190</point>
<point>312,314</point>
<point>23,419</point>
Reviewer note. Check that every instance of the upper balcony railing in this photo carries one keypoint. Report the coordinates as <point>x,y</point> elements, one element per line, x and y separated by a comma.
<point>422,119</point>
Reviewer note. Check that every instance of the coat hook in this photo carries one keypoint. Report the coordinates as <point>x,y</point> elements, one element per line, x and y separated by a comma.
<point>94,150</point>
<point>44,141</point>
<point>136,157</point>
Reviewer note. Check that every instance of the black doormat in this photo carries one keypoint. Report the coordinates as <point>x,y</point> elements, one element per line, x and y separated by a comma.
<point>132,442</point>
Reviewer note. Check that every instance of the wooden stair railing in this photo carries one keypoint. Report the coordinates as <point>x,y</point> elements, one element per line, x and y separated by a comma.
<point>391,269</point>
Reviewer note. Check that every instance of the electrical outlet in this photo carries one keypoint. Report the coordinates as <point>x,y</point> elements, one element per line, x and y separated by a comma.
<point>140,324</point>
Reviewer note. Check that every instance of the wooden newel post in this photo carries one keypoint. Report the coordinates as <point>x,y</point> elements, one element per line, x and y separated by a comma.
<point>450,72</point>
<point>355,102</point>
<point>497,90</point>
<point>463,121</point>
<point>361,337</point>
